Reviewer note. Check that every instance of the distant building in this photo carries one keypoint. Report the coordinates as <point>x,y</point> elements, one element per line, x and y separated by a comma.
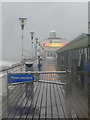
<point>52,34</point>
<point>52,44</point>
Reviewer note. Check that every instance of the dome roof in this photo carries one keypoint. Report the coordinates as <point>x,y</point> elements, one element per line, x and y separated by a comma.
<point>52,31</point>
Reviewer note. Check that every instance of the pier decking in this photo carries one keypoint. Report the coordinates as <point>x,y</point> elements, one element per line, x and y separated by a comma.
<point>44,100</point>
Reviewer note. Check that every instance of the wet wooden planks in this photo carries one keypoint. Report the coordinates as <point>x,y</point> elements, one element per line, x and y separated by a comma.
<point>42,101</point>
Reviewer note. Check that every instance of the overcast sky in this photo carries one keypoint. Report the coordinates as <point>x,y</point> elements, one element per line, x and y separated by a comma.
<point>68,19</point>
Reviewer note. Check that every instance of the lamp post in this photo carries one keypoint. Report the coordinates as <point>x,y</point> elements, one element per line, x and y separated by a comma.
<point>36,46</point>
<point>32,34</point>
<point>22,23</point>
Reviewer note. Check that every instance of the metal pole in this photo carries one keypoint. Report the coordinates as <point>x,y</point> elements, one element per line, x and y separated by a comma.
<point>36,46</point>
<point>22,23</point>
<point>32,41</point>
<point>50,82</point>
<point>32,46</point>
<point>22,44</point>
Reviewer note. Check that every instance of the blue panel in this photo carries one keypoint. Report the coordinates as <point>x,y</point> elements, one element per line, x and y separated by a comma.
<point>20,78</point>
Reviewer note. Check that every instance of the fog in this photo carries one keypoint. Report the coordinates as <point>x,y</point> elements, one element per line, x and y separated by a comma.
<point>68,19</point>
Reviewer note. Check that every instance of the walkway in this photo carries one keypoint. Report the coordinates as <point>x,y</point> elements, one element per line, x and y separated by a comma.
<point>41,100</point>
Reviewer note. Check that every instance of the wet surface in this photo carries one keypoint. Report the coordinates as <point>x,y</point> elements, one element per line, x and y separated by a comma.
<point>43,100</point>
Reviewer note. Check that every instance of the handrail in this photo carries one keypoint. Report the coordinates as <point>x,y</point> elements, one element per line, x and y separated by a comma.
<point>40,72</point>
<point>16,65</point>
<point>13,66</point>
<point>36,73</point>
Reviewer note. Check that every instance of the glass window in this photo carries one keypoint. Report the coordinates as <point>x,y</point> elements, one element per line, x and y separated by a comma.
<point>85,51</point>
<point>88,53</point>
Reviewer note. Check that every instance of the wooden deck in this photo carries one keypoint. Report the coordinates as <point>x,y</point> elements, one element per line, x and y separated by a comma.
<point>44,100</point>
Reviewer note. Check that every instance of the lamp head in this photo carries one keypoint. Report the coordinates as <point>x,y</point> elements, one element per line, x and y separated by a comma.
<point>22,22</point>
<point>32,33</point>
<point>36,40</point>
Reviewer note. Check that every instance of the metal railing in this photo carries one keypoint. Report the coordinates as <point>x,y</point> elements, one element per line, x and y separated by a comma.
<point>4,76</point>
<point>12,67</point>
<point>43,79</point>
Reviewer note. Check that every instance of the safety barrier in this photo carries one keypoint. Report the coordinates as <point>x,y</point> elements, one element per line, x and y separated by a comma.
<point>15,78</point>
<point>3,76</point>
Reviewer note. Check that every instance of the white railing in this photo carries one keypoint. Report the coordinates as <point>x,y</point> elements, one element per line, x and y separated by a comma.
<point>3,77</point>
<point>37,78</point>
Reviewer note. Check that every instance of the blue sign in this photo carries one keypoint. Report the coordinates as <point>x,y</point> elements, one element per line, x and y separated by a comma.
<point>20,78</point>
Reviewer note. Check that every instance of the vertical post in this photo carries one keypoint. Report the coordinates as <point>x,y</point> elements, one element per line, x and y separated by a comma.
<point>32,33</point>
<point>29,86</point>
<point>7,85</point>
<point>88,104</point>
<point>22,23</point>
<point>68,94</point>
<point>22,44</point>
<point>32,44</point>
<point>36,46</point>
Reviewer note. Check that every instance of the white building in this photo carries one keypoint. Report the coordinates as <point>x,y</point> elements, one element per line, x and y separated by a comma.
<point>51,45</point>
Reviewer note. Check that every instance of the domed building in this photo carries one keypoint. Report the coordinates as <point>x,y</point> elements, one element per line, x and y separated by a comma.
<point>52,44</point>
<point>52,34</point>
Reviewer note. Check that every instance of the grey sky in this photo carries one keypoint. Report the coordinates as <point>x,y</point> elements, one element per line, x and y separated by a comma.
<point>68,19</point>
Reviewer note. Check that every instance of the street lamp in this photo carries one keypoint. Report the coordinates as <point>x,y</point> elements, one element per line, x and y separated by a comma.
<point>36,46</point>
<point>32,34</point>
<point>22,23</point>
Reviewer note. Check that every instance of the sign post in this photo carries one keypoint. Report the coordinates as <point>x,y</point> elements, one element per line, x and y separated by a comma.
<point>16,78</point>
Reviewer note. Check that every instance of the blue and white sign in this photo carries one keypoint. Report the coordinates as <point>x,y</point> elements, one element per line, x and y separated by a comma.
<point>20,78</point>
